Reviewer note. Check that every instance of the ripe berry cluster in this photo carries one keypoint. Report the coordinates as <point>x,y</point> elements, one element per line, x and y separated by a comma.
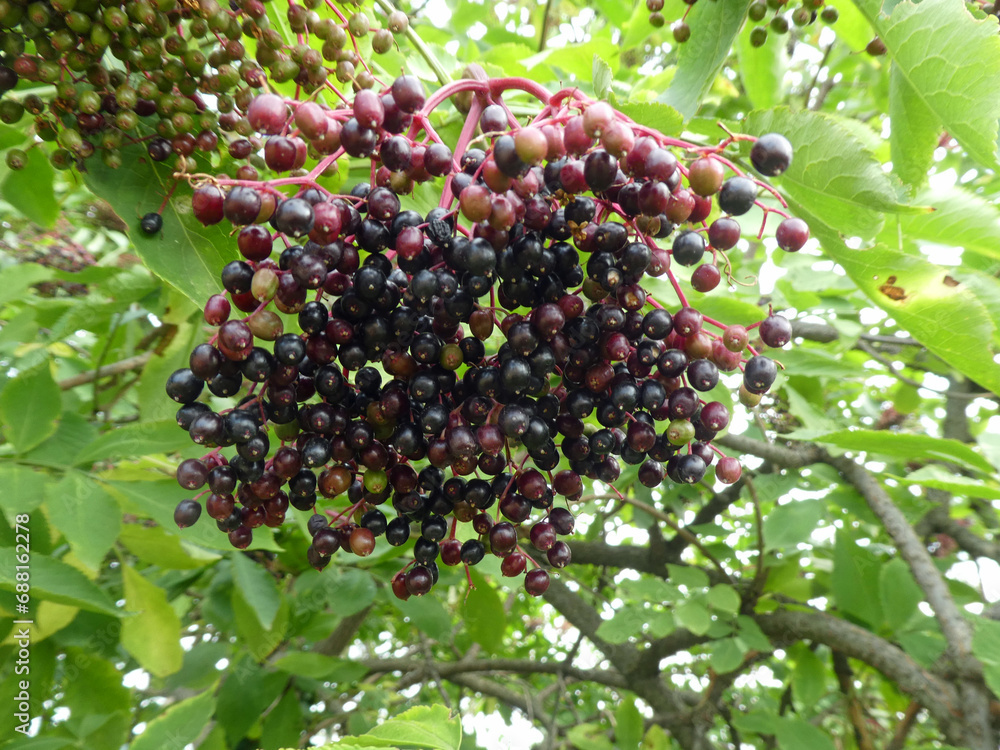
<point>782,17</point>
<point>146,70</point>
<point>470,364</point>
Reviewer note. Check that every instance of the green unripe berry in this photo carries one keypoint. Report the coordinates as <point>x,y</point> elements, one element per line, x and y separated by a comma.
<point>382,41</point>
<point>61,159</point>
<point>114,19</point>
<point>11,111</point>
<point>680,432</point>
<point>757,11</point>
<point>682,32</point>
<point>802,16</point>
<point>758,36</point>
<point>358,24</point>
<point>779,25</point>
<point>126,119</point>
<point>38,14</point>
<point>89,102</point>
<point>829,14</point>
<point>397,22</point>
<point>345,71</point>
<point>78,22</point>
<point>33,104</point>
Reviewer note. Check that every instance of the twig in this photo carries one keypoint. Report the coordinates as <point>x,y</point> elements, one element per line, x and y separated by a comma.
<point>544,36</point>
<point>845,678</point>
<point>687,535</point>
<point>819,69</point>
<point>898,741</point>
<point>116,368</point>
<point>760,575</point>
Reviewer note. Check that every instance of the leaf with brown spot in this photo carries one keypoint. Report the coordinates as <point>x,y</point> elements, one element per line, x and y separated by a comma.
<point>893,292</point>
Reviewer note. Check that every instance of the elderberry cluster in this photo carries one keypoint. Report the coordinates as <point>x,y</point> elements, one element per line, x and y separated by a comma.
<point>474,364</point>
<point>774,16</point>
<point>147,71</point>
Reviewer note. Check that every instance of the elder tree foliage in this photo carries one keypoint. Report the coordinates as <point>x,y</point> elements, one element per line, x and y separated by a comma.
<point>798,252</point>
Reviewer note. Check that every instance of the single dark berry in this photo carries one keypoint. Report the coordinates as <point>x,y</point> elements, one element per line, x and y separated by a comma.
<point>771,154</point>
<point>151,223</point>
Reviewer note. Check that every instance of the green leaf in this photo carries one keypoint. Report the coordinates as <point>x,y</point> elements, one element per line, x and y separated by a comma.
<point>724,598</point>
<point>320,666</point>
<point>757,721</point>
<point>808,675</point>
<point>833,174</point>
<point>185,254</point>
<point>925,647</point>
<point>589,736</point>
<point>352,589</point>
<point>986,648</point>
<point>901,445</point>
<point>797,734</point>
<point>57,582</point>
<point>153,635</point>
<point>900,594</point>
<point>23,490</point>
<point>179,725</point>
<point>72,434</point>
<point>431,727</point>
<point>628,725</point>
<point>694,616</point>
<point>625,625</point>
<point>727,655</point>
<point>950,62</point>
<point>246,693</point>
<point>751,634</point>
<point>94,687</point>
<point>30,406</point>
<point>31,190</point>
<point>282,725</point>
<point>86,515</point>
<point>131,440</point>
<point>792,523</point>
<point>714,27</point>
<point>426,614</point>
<point>17,279</point>
<point>852,27</point>
<point>615,11</point>
<point>762,70</point>
<point>258,588</point>
<point>939,478</point>
<point>818,363</point>
<point>484,616</point>
<point>660,117</point>
<point>602,77</point>
<point>960,219</point>
<point>153,545</point>
<point>686,575</point>
<point>915,129</point>
<point>855,580</point>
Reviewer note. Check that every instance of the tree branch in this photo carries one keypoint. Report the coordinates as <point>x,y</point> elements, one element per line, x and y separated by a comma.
<point>633,664</point>
<point>115,368</point>
<point>953,625</point>
<point>845,678</point>
<point>447,669</point>
<point>938,696</point>
<point>343,634</point>
<point>931,581</point>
